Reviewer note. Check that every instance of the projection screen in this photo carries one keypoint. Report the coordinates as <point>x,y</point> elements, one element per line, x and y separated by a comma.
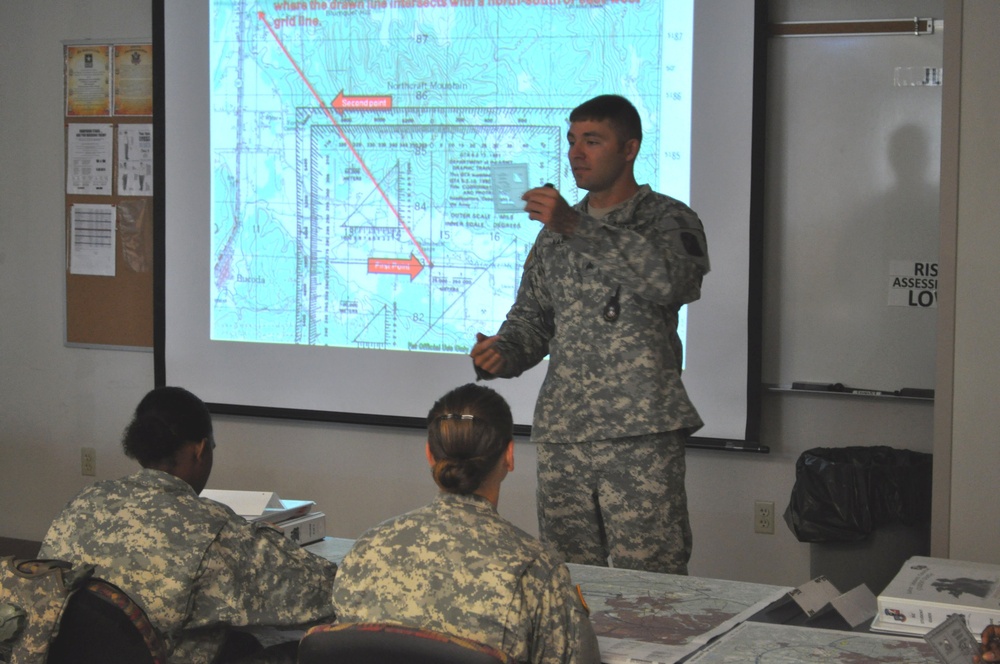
<point>338,182</point>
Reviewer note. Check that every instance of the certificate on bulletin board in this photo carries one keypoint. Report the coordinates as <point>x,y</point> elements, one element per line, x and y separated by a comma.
<point>133,79</point>
<point>88,80</point>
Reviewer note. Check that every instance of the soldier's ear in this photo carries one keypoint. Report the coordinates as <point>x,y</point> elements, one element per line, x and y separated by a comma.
<point>203,448</point>
<point>631,149</point>
<point>427,451</point>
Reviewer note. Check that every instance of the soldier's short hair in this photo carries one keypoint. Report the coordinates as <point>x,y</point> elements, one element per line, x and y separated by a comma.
<point>468,430</point>
<point>617,110</point>
<point>164,421</point>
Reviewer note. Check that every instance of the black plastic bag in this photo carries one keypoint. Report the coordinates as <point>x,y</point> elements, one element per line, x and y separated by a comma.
<point>841,494</point>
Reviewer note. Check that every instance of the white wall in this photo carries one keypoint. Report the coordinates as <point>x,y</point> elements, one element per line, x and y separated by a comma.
<point>967,426</point>
<point>54,400</point>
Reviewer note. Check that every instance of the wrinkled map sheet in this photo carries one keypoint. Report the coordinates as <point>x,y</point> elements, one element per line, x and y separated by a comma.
<point>659,618</point>
<point>786,644</point>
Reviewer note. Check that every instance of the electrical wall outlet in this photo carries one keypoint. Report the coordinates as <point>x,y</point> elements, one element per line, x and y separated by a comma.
<point>88,461</point>
<point>763,517</point>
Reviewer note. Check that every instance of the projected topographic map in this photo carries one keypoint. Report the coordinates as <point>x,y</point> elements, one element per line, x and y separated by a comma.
<point>368,157</point>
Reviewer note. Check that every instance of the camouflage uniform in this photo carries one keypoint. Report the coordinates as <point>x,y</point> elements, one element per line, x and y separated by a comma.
<point>193,564</point>
<point>611,381</point>
<point>456,566</point>
<point>649,527</point>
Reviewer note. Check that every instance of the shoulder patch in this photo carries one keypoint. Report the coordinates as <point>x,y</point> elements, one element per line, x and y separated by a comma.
<point>530,258</point>
<point>692,245</point>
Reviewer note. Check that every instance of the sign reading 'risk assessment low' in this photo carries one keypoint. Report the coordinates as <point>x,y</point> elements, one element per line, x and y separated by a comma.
<point>913,284</point>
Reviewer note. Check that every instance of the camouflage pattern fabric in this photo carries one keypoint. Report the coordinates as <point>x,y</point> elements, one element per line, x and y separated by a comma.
<point>457,567</point>
<point>609,379</point>
<point>619,499</point>
<point>192,564</point>
<point>12,621</point>
<point>39,589</point>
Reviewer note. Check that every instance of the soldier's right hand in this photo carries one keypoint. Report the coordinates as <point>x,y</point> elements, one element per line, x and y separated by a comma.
<point>485,356</point>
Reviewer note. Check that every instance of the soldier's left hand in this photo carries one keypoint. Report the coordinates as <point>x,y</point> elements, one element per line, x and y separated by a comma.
<point>546,204</point>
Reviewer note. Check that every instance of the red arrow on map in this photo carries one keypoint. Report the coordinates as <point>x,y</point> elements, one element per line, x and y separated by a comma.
<point>409,266</point>
<point>361,103</point>
<point>343,136</point>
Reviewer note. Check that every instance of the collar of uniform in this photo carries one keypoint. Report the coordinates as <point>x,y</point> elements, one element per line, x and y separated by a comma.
<point>624,210</point>
<point>159,478</point>
<point>469,501</point>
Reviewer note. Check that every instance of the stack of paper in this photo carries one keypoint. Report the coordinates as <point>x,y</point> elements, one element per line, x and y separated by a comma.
<point>296,519</point>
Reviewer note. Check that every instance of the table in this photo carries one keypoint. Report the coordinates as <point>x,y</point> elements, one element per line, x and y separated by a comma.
<point>662,618</point>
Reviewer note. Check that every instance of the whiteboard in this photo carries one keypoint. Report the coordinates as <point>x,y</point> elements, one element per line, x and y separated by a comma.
<point>852,180</point>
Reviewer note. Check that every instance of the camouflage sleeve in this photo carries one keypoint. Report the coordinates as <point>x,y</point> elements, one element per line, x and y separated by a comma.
<point>662,258</point>
<point>561,633</point>
<point>524,336</point>
<point>253,575</point>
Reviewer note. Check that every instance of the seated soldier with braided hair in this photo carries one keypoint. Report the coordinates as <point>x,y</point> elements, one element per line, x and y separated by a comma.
<point>195,566</point>
<point>456,566</point>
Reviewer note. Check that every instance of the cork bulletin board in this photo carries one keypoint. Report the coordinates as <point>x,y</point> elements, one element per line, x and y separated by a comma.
<point>108,192</point>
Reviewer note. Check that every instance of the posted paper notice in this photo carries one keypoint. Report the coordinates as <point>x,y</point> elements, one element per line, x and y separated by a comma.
<point>92,240</point>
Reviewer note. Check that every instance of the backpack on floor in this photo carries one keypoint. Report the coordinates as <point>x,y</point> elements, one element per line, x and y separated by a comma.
<point>33,595</point>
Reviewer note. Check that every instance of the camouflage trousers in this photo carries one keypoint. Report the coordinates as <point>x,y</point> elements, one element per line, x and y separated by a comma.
<point>620,502</point>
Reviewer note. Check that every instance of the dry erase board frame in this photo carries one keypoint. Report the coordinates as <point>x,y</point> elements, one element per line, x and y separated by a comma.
<point>853,176</point>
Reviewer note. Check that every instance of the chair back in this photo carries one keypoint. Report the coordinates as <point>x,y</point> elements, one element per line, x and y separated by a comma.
<point>377,643</point>
<point>103,625</point>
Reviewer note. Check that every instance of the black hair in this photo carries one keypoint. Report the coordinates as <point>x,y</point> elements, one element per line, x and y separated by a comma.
<point>617,110</point>
<point>468,430</point>
<point>164,421</point>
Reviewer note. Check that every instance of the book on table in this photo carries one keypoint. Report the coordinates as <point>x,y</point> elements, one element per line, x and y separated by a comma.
<point>926,591</point>
<point>260,505</point>
<point>305,529</point>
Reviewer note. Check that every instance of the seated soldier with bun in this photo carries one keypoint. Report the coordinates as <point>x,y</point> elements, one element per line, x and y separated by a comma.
<point>456,566</point>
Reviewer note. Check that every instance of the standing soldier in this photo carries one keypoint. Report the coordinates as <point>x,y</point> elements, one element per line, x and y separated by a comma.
<point>600,295</point>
